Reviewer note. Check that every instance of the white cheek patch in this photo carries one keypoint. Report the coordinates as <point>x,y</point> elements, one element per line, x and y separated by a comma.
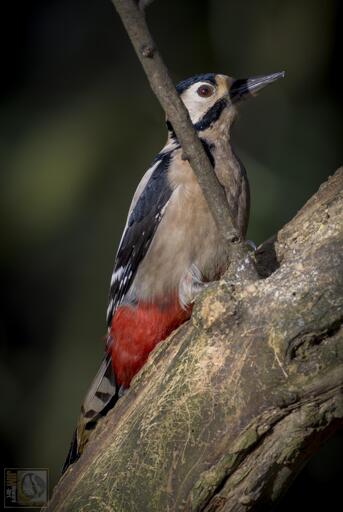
<point>196,105</point>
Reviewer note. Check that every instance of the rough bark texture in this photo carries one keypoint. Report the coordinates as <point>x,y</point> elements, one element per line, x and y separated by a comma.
<point>231,406</point>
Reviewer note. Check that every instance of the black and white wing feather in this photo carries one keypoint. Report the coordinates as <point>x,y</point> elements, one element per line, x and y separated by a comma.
<point>145,214</point>
<point>144,217</point>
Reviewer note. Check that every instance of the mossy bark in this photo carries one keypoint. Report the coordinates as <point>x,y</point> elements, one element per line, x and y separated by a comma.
<point>228,409</point>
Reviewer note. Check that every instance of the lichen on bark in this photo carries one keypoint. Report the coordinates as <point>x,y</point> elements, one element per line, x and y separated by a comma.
<point>228,409</point>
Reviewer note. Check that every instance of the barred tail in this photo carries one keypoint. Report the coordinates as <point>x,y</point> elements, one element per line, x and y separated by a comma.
<point>101,397</point>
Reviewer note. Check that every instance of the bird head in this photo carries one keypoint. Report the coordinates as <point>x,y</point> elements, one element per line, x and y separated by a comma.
<point>212,99</point>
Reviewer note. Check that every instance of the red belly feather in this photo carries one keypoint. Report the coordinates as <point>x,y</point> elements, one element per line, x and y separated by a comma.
<point>136,330</point>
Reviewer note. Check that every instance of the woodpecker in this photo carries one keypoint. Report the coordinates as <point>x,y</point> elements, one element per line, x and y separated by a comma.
<point>170,247</point>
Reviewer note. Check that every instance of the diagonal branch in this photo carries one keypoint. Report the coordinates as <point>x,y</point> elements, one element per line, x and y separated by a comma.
<point>157,73</point>
<point>226,411</point>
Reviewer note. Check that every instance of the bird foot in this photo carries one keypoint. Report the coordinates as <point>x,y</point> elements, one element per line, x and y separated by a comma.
<point>251,245</point>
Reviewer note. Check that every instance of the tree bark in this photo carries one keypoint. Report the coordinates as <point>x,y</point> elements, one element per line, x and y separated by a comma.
<point>229,408</point>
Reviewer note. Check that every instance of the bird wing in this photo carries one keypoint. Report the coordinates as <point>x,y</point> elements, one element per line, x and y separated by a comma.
<point>145,214</point>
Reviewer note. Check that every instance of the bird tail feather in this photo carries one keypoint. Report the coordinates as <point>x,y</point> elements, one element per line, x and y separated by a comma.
<point>101,397</point>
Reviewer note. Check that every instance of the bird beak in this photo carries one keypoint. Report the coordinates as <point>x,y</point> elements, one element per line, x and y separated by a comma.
<point>245,87</point>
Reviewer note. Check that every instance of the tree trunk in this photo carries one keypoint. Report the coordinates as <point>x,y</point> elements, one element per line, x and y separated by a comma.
<point>228,409</point>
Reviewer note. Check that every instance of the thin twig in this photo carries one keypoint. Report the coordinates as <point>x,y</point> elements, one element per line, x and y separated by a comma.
<point>134,21</point>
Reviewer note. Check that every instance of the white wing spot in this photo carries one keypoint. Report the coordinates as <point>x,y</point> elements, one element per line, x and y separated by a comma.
<point>117,275</point>
<point>109,309</point>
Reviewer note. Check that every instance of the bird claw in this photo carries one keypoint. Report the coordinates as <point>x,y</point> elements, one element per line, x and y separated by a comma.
<point>251,245</point>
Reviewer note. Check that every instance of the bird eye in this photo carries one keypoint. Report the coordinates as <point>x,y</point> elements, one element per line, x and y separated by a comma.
<point>205,91</point>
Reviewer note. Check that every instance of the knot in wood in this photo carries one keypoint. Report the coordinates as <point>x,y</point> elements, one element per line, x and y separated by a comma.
<point>147,51</point>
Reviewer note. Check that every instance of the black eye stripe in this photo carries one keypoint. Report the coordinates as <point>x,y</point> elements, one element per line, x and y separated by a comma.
<point>211,115</point>
<point>185,84</point>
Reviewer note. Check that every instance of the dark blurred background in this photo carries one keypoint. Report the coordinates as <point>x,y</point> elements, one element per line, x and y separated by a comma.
<point>79,126</point>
